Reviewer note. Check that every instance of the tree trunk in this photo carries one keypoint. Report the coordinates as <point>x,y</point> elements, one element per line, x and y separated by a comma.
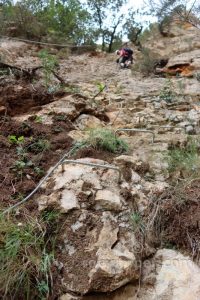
<point>112,36</point>
<point>103,42</point>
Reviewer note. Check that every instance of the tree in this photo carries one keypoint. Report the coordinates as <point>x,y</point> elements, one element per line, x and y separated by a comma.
<point>65,19</point>
<point>106,19</point>
<point>133,29</point>
<point>165,10</point>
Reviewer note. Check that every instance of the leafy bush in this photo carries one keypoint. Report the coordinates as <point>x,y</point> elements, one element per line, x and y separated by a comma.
<point>105,139</point>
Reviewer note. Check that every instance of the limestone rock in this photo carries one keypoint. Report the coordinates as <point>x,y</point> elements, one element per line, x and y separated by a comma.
<point>72,186</point>
<point>108,200</point>
<point>174,277</point>
<point>167,276</point>
<point>69,297</point>
<point>97,257</point>
<point>87,121</point>
<point>185,64</point>
<point>182,34</point>
<point>122,266</point>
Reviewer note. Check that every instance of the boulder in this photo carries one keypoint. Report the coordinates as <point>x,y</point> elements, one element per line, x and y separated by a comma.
<point>185,64</point>
<point>169,275</point>
<point>172,275</point>
<point>74,186</point>
<point>96,256</point>
<point>97,251</point>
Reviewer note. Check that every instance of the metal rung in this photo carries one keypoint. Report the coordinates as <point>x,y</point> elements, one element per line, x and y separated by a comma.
<point>71,161</point>
<point>137,130</point>
<point>175,127</point>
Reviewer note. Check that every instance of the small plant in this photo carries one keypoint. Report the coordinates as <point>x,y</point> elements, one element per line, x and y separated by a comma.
<point>39,145</point>
<point>16,140</point>
<point>21,164</point>
<point>20,246</point>
<point>39,171</point>
<point>21,151</point>
<point>137,222</point>
<point>105,139</point>
<point>72,89</point>
<point>100,86</point>
<point>38,119</point>
<point>197,76</point>
<point>18,196</point>
<point>43,285</point>
<point>60,117</point>
<point>49,64</point>
<point>167,93</point>
<point>49,216</point>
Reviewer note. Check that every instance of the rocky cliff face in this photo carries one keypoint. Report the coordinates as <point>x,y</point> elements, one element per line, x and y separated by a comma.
<point>181,47</point>
<point>104,246</point>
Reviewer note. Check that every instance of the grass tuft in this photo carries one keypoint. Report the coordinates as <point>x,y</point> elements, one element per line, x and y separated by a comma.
<point>186,160</point>
<point>105,139</point>
<point>26,256</point>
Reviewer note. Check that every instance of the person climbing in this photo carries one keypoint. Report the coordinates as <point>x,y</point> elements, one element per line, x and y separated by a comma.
<point>125,56</point>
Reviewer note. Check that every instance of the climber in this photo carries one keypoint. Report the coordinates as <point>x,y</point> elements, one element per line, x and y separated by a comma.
<point>126,55</point>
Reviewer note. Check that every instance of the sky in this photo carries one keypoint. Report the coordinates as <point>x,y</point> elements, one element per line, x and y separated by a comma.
<point>139,4</point>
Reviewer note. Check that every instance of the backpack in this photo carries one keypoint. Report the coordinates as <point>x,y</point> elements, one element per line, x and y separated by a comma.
<point>129,51</point>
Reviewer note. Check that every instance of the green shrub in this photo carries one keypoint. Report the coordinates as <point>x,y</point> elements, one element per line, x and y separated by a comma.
<point>105,139</point>
<point>49,64</point>
<point>167,93</point>
<point>146,63</point>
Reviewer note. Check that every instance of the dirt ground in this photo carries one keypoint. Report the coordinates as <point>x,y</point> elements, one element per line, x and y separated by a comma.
<point>176,219</point>
<point>43,146</point>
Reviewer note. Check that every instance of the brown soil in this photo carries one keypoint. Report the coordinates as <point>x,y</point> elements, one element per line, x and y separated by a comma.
<point>94,153</point>
<point>75,265</point>
<point>21,97</point>
<point>15,183</point>
<point>177,222</point>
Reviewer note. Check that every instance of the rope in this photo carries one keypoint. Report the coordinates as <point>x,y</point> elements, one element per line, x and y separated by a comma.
<point>43,43</point>
<point>41,182</point>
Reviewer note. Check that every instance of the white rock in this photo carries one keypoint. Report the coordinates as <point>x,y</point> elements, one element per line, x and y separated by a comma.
<point>68,201</point>
<point>122,262</point>
<point>175,277</point>
<point>87,121</point>
<point>69,297</point>
<point>108,200</point>
<point>135,177</point>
